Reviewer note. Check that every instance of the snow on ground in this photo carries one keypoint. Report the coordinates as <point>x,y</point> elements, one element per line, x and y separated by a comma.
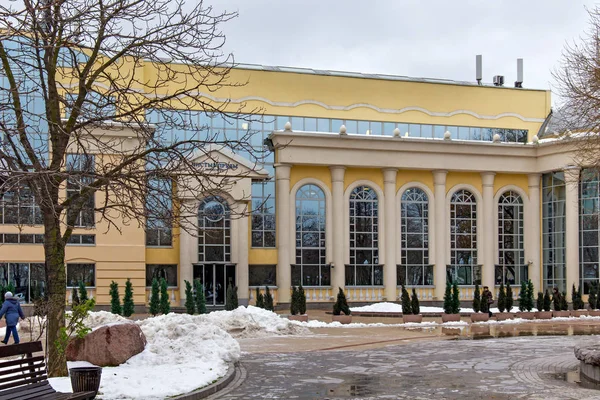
<point>251,322</point>
<point>397,308</point>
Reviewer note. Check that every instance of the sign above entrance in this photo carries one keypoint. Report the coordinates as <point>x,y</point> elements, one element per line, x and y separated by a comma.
<point>221,166</point>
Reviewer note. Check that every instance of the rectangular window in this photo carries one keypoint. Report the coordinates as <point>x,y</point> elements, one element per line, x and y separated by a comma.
<point>77,273</point>
<point>262,275</point>
<point>161,271</point>
<point>19,207</point>
<point>81,171</point>
<point>263,214</point>
<point>28,279</point>
<point>159,213</point>
<point>553,231</point>
<point>82,240</point>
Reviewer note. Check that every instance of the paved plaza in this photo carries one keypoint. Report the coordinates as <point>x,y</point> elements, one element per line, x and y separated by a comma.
<point>419,365</point>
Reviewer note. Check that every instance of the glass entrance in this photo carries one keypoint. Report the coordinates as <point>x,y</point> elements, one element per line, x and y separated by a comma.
<point>215,278</point>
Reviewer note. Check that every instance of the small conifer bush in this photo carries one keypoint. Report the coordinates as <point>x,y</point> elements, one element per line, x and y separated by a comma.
<point>477,299</point>
<point>232,298</point>
<point>530,294</point>
<point>540,301</point>
<point>416,307</point>
<point>83,296</point>
<point>405,299</point>
<point>115,301</point>
<point>523,297</point>
<point>128,306</point>
<point>294,302</point>
<point>154,298</point>
<point>455,299</point>
<point>200,297</point>
<point>268,300</point>
<point>547,301</point>
<point>341,305</point>
<point>501,298</point>
<point>592,298</point>
<point>508,302</point>
<point>190,304</point>
<point>260,300</point>
<point>448,298</point>
<point>556,302</point>
<point>301,300</point>
<point>165,304</point>
<point>564,306</point>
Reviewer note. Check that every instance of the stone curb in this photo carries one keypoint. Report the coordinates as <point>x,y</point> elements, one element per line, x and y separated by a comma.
<point>211,389</point>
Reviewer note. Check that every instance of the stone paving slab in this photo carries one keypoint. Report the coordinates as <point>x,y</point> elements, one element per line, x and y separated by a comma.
<point>507,368</point>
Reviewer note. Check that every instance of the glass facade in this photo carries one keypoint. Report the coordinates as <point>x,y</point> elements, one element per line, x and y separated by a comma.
<point>19,207</point>
<point>159,213</point>
<point>364,268</point>
<point>77,273</point>
<point>511,266</point>
<point>214,230</point>
<point>463,268</point>
<point>414,242</point>
<point>262,275</point>
<point>311,268</point>
<point>553,230</point>
<point>589,209</point>
<point>29,279</point>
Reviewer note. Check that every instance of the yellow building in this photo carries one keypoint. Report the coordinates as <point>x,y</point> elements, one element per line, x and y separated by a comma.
<point>367,182</point>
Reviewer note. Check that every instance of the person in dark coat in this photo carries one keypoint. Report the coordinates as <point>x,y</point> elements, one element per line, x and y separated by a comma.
<point>12,309</point>
<point>487,295</point>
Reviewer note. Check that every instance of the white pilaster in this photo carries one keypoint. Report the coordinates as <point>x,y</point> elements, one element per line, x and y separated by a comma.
<point>533,233</point>
<point>337,195</point>
<point>572,227</point>
<point>284,274</point>
<point>188,250</point>
<point>489,236</point>
<point>439,274</point>
<point>389,268</point>
<point>242,272</point>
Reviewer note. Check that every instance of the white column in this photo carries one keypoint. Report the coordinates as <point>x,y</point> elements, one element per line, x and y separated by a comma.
<point>337,196</point>
<point>439,275</point>
<point>242,272</point>
<point>487,232</point>
<point>533,232</point>
<point>572,227</point>
<point>188,250</point>
<point>389,268</point>
<point>284,273</point>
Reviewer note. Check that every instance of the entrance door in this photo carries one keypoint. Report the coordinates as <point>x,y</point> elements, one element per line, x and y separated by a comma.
<point>215,278</point>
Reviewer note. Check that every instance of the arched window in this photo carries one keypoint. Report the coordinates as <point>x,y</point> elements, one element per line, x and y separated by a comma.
<point>463,268</point>
<point>214,230</point>
<point>414,241</point>
<point>364,268</point>
<point>511,266</point>
<point>310,268</point>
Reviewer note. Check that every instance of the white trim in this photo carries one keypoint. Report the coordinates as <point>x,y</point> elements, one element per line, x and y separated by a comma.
<point>328,217</point>
<point>380,218</point>
<point>526,220</point>
<point>479,203</point>
<point>206,151</point>
<point>430,221</point>
<point>365,105</point>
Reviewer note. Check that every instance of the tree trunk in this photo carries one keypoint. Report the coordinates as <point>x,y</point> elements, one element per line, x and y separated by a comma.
<point>56,282</point>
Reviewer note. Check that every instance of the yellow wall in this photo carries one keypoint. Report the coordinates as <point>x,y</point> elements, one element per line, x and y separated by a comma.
<point>457,178</point>
<point>374,175</point>
<point>405,176</point>
<point>520,181</point>
<point>298,173</point>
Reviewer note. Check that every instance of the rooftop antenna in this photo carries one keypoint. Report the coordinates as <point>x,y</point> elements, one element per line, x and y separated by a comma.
<point>478,69</point>
<point>519,82</point>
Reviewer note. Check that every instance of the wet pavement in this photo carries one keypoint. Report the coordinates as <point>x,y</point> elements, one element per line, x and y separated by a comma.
<point>526,361</point>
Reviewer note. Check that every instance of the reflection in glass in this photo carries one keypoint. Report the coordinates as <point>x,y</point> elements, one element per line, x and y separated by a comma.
<point>511,253</point>
<point>463,238</point>
<point>214,230</point>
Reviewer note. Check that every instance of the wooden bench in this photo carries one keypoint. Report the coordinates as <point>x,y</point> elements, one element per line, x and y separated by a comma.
<point>26,378</point>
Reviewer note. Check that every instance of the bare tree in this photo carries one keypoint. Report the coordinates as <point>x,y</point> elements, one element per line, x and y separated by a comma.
<point>578,87</point>
<point>86,93</point>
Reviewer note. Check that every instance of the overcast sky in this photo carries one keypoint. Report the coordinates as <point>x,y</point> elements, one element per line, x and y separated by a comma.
<point>418,38</point>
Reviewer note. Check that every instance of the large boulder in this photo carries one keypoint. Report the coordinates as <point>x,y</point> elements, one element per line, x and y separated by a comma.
<point>108,346</point>
<point>588,354</point>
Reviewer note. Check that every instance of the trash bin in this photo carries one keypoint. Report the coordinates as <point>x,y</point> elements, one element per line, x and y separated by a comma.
<point>85,379</point>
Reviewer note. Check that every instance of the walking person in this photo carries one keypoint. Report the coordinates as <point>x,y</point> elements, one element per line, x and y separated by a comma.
<point>488,297</point>
<point>12,309</point>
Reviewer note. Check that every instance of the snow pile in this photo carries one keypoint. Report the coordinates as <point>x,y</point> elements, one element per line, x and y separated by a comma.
<point>183,353</point>
<point>96,319</point>
<point>397,308</point>
<point>245,322</point>
<point>321,324</point>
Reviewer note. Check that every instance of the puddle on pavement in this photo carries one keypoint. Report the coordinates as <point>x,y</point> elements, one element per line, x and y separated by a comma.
<point>354,386</point>
<point>475,331</point>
